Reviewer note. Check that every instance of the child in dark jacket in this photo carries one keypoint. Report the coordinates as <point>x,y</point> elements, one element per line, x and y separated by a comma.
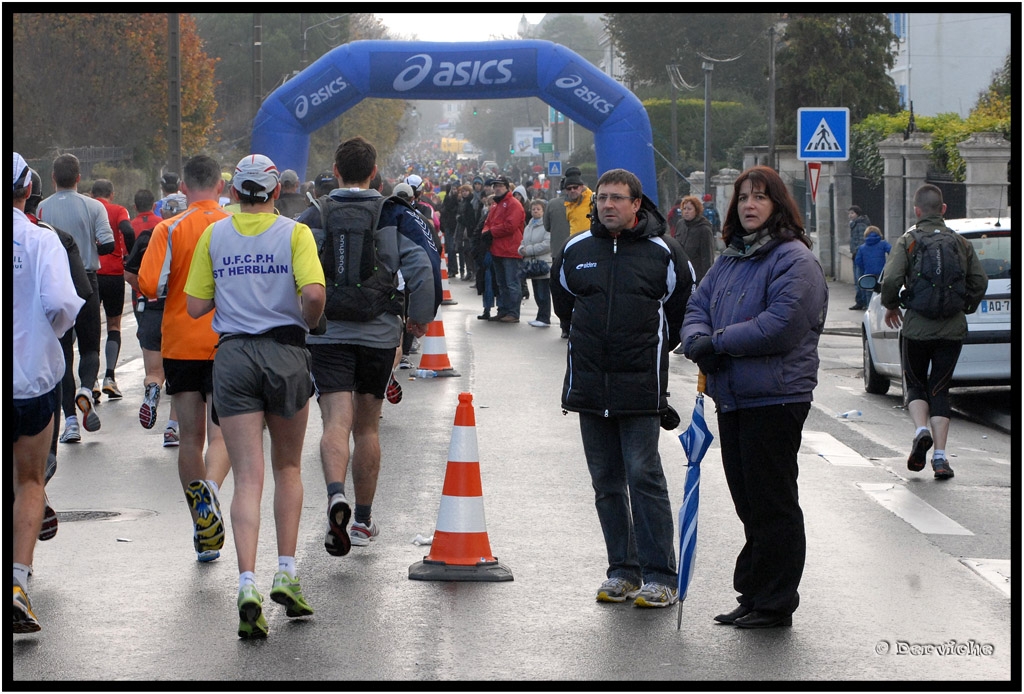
<point>870,260</point>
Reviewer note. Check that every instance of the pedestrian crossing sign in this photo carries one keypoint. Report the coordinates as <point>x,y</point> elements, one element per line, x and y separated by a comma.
<point>554,168</point>
<point>823,134</point>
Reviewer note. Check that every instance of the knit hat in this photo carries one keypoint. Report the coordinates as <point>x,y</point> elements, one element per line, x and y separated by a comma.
<point>256,175</point>
<point>573,177</point>
<point>707,197</point>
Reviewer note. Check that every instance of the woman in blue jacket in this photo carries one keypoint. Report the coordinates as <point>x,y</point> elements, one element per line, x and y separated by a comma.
<point>753,326</point>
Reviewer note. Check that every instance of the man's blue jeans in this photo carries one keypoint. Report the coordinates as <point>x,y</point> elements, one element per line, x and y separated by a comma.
<point>506,276</point>
<point>631,496</point>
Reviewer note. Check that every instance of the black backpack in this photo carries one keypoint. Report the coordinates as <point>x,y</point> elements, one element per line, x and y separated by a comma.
<point>359,286</point>
<point>936,283</point>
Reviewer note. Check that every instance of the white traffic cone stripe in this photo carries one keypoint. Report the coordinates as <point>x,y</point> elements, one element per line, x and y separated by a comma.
<point>433,345</point>
<point>461,514</point>
<point>463,447</point>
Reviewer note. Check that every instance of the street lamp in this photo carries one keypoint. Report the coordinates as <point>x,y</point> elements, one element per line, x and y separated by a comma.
<point>707,66</point>
<point>678,84</point>
<point>305,31</point>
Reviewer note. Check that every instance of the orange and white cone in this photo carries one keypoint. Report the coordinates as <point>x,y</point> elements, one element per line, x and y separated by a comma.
<point>434,351</point>
<point>446,292</point>
<point>461,550</point>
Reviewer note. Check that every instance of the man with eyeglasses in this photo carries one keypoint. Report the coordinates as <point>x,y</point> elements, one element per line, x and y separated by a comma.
<point>624,285</point>
<point>577,200</point>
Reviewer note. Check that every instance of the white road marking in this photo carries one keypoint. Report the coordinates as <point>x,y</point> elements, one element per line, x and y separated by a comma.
<point>832,450</point>
<point>911,508</point>
<point>995,571</point>
<point>864,431</point>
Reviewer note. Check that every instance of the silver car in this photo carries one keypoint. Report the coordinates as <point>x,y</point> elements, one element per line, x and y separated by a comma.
<point>985,357</point>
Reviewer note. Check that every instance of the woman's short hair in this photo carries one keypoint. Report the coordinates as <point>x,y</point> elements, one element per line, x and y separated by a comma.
<point>695,201</point>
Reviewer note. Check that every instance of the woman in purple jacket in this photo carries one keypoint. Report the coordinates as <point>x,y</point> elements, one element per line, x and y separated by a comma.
<point>752,326</point>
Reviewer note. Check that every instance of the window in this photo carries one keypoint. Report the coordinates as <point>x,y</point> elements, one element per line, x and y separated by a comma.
<point>898,22</point>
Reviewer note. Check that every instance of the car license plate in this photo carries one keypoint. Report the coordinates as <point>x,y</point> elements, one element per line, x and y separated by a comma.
<point>995,306</point>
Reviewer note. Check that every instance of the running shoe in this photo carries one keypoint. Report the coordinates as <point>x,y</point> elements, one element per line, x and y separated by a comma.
<point>70,434</point>
<point>49,528</point>
<point>209,523</point>
<point>656,595</point>
<point>941,468</point>
<point>360,534</point>
<point>919,451</point>
<point>394,392</point>
<point>251,622</point>
<point>404,363</point>
<point>96,393</point>
<point>25,621</point>
<point>111,389</point>
<point>171,438</point>
<point>51,467</point>
<point>90,420</point>
<point>286,591</point>
<point>147,413</point>
<point>337,542</point>
<point>206,555</point>
<point>617,590</point>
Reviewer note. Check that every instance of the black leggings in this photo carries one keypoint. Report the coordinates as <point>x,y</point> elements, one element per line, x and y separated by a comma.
<point>933,388</point>
<point>87,330</point>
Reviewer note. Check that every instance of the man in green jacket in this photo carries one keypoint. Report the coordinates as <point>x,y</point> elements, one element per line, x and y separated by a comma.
<point>930,341</point>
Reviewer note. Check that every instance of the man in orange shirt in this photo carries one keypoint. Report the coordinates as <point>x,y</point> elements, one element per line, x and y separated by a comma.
<point>188,347</point>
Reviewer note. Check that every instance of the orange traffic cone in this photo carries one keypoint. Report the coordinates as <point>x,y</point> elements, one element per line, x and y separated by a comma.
<point>461,550</point>
<point>446,292</point>
<point>434,351</point>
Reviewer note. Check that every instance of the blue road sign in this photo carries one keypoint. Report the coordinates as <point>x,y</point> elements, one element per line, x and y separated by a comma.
<point>823,134</point>
<point>554,168</point>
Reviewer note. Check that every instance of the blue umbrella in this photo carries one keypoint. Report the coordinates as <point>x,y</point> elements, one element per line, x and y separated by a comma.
<point>696,440</point>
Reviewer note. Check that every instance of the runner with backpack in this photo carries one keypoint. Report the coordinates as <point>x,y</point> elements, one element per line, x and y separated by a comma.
<point>363,240</point>
<point>935,276</point>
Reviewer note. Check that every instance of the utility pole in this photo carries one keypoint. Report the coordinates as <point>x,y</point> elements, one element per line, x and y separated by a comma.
<point>257,63</point>
<point>707,66</point>
<point>174,93</point>
<point>771,96</point>
<point>675,149</point>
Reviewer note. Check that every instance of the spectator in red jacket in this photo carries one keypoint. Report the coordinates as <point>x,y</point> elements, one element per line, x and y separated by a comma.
<point>505,223</point>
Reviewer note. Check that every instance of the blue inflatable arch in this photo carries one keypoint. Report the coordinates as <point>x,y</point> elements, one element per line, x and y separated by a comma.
<point>457,71</point>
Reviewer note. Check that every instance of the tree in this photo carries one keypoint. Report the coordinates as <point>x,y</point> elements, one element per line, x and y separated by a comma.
<point>649,42</point>
<point>230,37</point>
<point>575,33</point>
<point>101,80</point>
<point>835,60</point>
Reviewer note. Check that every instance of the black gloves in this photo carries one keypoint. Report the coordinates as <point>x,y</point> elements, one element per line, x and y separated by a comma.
<point>669,418</point>
<point>702,353</point>
<point>321,326</point>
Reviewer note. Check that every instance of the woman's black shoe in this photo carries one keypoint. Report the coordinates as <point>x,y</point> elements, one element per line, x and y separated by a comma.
<point>730,617</point>
<point>764,620</point>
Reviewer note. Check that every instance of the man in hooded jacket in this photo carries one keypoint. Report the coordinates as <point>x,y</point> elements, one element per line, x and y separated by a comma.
<point>623,285</point>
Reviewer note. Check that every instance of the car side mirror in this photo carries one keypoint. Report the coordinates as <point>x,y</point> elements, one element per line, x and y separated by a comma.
<point>869,283</point>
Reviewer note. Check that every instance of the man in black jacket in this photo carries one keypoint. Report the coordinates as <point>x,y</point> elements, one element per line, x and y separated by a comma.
<point>624,285</point>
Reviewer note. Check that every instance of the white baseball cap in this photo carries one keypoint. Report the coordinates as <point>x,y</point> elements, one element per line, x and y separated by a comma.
<point>259,173</point>
<point>414,181</point>
<point>22,173</point>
